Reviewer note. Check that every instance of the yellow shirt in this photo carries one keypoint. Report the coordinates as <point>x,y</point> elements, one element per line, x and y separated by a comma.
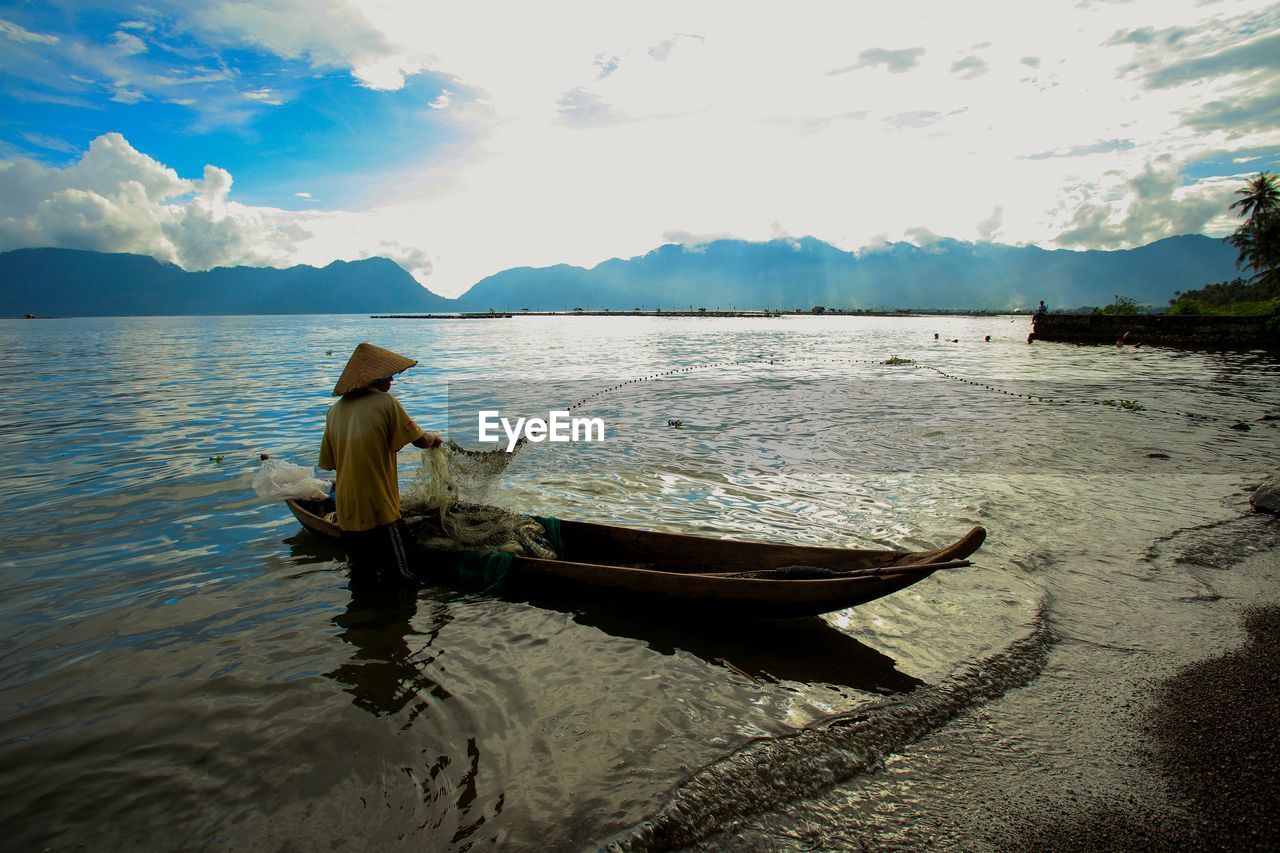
<point>362,433</point>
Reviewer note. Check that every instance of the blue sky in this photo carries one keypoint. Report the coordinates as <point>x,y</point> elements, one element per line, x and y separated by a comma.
<point>279,125</point>
<point>467,139</point>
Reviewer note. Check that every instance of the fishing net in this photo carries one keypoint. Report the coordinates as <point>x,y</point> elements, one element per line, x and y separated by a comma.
<point>434,488</point>
<point>438,520</point>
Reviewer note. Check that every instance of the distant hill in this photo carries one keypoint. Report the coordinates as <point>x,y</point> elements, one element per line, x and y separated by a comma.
<point>68,282</point>
<point>807,272</point>
<point>726,273</point>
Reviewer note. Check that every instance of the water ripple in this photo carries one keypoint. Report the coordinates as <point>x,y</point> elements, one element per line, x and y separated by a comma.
<point>182,667</point>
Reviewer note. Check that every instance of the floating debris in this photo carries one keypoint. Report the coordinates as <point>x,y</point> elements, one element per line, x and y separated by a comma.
<point>1131,405</point>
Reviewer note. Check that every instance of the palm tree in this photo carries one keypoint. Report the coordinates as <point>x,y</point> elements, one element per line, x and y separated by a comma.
<point>1259,197</point>
<point>1258,237</point>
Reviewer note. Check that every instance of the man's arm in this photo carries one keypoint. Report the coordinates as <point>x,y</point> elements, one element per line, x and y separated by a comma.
<point>426,441</point>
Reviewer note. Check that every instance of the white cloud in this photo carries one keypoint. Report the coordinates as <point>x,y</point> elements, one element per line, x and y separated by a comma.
<point>47,142</point>
<point>21,34</point>
<point>778,232</point>
<point>897,61</point>
<point>123,92</point>
<point>969,67</point>
<point>663,49</point>
<point>81,71</point>
<point>1105,146</point>
<point>921,236</point>
<point>264,96</point>
<point>989,228</point>
<point>415,260</point>
<point>127,44</point>
<point>326,33</point>
<point>693,242</point>
<point>582,108</point>
<point>116,199</point>
<point>1151,205</point>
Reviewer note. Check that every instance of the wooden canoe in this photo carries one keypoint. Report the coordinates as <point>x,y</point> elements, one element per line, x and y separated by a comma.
<point>618,565</point>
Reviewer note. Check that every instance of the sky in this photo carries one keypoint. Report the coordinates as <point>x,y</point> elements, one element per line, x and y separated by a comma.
<point>463,139</point>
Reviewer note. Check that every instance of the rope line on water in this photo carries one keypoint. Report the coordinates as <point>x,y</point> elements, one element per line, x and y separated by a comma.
<point>665,373</point>
<point>1119,404</point>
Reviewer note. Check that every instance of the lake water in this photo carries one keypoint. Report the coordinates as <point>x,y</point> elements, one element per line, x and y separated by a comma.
<point>183,667</point>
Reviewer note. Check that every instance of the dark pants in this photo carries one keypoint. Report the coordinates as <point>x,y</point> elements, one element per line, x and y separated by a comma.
<point>381,556</point>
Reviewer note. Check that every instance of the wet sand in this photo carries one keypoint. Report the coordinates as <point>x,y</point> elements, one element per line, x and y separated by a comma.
<point>1213,733</point>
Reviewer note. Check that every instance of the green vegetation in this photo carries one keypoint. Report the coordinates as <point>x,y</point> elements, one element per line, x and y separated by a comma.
<point>1258,240</point>
<point>1131,405</point>
<point>1258,237</point>
<point>1238,297</point>
<point>896,360</point>
<point>1123,306</point>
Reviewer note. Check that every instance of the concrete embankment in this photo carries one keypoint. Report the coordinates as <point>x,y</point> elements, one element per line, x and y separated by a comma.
<point>1159,330</point>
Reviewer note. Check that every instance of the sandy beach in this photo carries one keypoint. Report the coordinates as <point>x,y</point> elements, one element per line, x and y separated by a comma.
<point>1211,735</point>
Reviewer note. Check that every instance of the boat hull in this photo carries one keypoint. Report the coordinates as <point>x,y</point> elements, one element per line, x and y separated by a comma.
<point>627,567</point>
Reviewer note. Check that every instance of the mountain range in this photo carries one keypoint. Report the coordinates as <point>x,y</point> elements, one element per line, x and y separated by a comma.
<point>807,272</point>
<point>784,274</point>
<point>69,282</point>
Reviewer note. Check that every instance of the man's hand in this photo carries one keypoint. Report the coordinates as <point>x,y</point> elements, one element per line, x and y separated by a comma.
<point>427,441</point>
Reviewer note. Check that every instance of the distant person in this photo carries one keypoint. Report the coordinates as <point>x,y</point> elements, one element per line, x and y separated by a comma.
<point>1124,339</point>
<point>987,339</point>
<point>1041,310</point>
<point>935,336</point>
<point>363,432</point>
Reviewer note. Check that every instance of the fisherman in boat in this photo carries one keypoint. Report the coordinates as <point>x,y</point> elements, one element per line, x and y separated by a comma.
<point>363,432</point>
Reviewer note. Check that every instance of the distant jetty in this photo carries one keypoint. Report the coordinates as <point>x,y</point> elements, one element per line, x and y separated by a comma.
<point>579,312</point>
<point>484,316</point>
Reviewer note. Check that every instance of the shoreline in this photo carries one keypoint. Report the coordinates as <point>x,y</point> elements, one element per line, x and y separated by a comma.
<point>1112,747</point>
<point>1210,736</point>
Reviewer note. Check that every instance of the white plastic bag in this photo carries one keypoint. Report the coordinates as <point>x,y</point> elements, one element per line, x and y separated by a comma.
<point>278,480</point>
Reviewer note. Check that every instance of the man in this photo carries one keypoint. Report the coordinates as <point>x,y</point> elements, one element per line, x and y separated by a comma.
<point>363,432</point>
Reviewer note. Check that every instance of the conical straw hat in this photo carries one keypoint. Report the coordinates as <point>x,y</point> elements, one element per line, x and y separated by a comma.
<point>367,365</point>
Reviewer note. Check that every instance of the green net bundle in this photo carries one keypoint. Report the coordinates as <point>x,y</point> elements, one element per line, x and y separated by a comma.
<point>439,520</point>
